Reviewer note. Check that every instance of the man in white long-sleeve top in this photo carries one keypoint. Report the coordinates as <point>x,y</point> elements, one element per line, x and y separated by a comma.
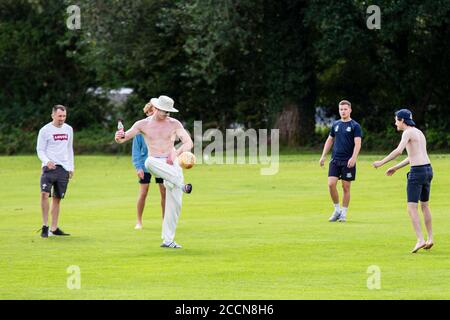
<point>55,150</point>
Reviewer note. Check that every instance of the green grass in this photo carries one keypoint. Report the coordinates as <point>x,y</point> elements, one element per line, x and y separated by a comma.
<point>245,236</point>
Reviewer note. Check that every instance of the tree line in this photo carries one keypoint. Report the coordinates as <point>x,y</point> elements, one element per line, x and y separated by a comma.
<point>255,63</point>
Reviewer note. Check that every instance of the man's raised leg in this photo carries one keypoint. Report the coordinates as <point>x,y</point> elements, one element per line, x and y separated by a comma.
<point>170,173</point>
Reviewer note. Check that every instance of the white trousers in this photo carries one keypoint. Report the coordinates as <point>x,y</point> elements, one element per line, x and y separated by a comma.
<point>173,181</point>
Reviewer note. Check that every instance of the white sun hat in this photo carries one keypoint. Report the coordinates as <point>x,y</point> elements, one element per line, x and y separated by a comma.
<point>163,103</point>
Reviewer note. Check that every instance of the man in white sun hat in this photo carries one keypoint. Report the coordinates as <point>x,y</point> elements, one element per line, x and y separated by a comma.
<point>160,133</point>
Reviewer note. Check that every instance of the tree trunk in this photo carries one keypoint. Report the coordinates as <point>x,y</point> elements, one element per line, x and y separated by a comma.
<point>288,124</point>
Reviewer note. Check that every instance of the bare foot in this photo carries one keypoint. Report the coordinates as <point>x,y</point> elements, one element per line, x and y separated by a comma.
<point>428,245</point>
<point>419,245</point>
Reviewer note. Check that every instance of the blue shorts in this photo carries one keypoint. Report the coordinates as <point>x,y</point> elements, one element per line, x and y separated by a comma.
<point>419,183</point>
<point>339,169</point>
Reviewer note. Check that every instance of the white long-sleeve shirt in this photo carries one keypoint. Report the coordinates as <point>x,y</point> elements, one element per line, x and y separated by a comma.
<point>56,145</point>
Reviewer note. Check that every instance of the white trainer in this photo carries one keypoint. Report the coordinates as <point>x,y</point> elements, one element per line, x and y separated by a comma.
<point>335,216</point>
<point>172,244</point>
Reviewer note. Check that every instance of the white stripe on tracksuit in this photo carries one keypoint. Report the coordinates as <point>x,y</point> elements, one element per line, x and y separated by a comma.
<point>173,181</point>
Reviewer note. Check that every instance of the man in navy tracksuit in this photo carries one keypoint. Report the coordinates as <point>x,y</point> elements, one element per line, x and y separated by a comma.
<point>345,137</point>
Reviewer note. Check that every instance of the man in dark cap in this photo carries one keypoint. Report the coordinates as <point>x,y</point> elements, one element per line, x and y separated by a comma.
<point>419,177</point>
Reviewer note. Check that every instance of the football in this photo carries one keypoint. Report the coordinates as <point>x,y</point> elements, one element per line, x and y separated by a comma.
<point>186,160</point>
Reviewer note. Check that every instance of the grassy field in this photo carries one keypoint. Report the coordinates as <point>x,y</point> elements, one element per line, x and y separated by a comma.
<point>244,236</point>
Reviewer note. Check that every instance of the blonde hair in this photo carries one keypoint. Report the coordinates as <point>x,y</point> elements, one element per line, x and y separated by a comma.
<point>345,102</point>
<point>148,107</point>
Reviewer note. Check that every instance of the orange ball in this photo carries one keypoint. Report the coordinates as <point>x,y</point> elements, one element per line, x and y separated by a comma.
<point>186,160</point>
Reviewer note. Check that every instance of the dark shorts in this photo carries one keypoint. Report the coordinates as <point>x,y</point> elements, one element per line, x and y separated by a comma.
<point>419,183</point>
<point>338,168</point>
<point>148,177</point>
<point>57,178</point>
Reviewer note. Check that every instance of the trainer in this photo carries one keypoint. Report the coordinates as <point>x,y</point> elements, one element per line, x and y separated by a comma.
<point>55,150</point>
<point>345,137</point>
<point>139,155</point>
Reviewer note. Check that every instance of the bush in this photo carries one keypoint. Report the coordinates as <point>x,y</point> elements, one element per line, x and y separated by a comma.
<point>101,141</point>
<point>87,141</point>
<point>438,139</point>
<point>17,142</point>
<point>383,140</point>
<point>92,141</point>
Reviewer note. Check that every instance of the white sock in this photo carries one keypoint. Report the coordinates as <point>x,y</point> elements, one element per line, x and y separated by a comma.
<point>337,207</point>
<point>344,211</point>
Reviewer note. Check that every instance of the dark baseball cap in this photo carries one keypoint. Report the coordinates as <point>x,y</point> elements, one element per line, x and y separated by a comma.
<point>406,115</point>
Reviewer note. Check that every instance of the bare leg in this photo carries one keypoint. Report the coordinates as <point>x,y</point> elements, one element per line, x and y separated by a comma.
<point>44,207</point>
<point>141,202</point>
<point>55,213</point>
<point>428,222</point>
<point>162,191</point>
<point>346,196</point>
<point>332,182</point>
<point>414,214</point>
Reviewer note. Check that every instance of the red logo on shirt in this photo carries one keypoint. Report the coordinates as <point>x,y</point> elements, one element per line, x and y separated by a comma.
<point>60,137</point>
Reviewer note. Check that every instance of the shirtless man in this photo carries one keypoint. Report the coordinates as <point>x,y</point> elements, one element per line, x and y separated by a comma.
<point>420,176</point>
<point>160,132</point>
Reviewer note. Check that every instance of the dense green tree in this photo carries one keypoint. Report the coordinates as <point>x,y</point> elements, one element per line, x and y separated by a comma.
<point>404,64</point>
<point>39,67</point>
<point>255,63</point>
<point>289,63</point>
<point>207,56</point>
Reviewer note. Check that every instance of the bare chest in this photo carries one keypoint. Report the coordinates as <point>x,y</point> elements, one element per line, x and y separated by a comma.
<point>160,131</point>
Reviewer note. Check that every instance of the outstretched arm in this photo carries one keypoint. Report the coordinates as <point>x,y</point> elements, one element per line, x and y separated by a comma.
<point>130,134</point>
<point>394,154</point>
<point>399,165</point>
